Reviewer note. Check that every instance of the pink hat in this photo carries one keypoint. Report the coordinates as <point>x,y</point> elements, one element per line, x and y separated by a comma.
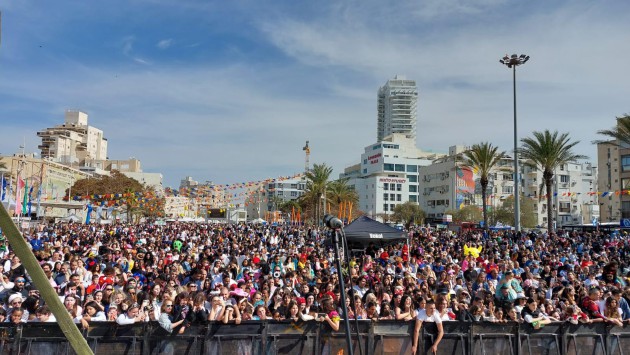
<point>239,292</point>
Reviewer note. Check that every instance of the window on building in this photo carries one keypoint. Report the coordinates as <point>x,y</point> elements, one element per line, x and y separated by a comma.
<point>398,197</point>
<point>412,168</point>
<point>412,178</point>
<point>565,207</point>
<point>385,197</point>
<point>564,178</point>
<point>392,197</point>
<point>391,206</point>
<point>392,187</point>
<point>293,193</point>
<point>625,184</point>
<point>388,167</point>
<point>364,161</point>
<point>385,207</point>
<point>364,171</point>
<point>413,198</point>
<point>398,187</point>
<point>413,188</point>
<point>625,163</point>
<point>625,206</point>
<point>507,190</point>
<point>507,177</point>
<point>385,187</point>
<point>399,167</point>
<point>280,193</point>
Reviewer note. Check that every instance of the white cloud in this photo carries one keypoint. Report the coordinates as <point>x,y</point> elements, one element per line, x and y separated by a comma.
<point>247,117</point>
<point>165,43</point>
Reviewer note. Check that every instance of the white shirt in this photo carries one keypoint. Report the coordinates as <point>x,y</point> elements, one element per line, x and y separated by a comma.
<point>422,316</point>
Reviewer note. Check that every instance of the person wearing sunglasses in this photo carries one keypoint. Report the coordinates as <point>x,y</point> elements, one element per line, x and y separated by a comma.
<point>166,318</point>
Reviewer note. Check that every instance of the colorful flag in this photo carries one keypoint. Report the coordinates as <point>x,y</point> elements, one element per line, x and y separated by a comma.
<point>25,199</point>
<point>89,212</point>
<point>18,196</point>
<point>4,189</point>
<point>30,200</point>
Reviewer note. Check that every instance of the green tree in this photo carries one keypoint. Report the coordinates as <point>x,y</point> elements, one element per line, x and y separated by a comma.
<point>466,214</point>
<point>316,186</point>
<point>620,133</point>
<point>340,192</point>
<point>505,213</point>
<point>116,183</point>
<point>547,151</point>
<point>408,213</point>
<point>483,157</point>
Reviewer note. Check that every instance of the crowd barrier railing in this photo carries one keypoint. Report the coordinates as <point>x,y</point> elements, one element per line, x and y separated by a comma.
<point>283,337</point>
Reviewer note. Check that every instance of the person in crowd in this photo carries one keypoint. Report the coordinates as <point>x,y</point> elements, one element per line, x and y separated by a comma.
<point>132,315</point>
<point>429,314</point>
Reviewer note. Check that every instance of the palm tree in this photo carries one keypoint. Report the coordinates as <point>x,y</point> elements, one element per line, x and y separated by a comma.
<point>339,192</point>
<point>316,186</point>
<point>483,157</point>
<point>547,151</point>
<point>620,133</point>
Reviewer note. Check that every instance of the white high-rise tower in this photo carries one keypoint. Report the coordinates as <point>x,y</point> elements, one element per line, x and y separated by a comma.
<point>397,104</point>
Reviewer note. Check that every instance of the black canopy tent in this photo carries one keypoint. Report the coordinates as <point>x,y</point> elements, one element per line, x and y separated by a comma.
<point>364,230</point>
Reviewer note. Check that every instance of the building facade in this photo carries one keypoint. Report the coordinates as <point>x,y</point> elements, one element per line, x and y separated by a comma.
<point>388,175</point>
<point>74,141</point>
<point>46,185</point>
<point>397,102</point>
<point>613,161</point>
<point>574,194</point>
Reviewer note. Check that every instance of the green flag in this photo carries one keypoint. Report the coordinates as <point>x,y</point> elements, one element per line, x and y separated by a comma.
<point>25,201</point>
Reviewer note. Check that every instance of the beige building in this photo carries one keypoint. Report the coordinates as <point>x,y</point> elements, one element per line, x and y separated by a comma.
<point>614,176</point>
<point>176,207</point>
<point>73,142</point>
<point>50,180</point>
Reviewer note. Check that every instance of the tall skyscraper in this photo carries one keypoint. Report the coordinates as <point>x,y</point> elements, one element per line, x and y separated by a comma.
<point>397,103</point>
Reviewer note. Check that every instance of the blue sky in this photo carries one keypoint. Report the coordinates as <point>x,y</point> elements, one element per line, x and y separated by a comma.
<point>229,91</point>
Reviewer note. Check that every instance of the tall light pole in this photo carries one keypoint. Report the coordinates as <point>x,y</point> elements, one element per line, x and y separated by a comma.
<point>512,62</point>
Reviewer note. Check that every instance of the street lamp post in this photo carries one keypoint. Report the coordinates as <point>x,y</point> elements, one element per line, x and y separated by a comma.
<point>512,62</point>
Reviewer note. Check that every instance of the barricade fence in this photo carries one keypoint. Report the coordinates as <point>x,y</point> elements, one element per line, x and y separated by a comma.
<point>279,337</point>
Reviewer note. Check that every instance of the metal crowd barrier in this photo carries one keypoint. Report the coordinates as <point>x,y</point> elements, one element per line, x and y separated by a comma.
<point>271,338</point>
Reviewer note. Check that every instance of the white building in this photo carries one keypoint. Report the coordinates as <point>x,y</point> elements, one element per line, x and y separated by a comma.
<point>574,190</point>
<point>269,196</point>
<point>446,185</point>
<point>180,207</point>
<point>396,108</point>
<point>154,180</point>
<point>74,141</point>
<point>388,174</point>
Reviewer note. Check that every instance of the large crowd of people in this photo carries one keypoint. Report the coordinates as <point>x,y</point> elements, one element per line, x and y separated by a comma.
<point>183,274</point>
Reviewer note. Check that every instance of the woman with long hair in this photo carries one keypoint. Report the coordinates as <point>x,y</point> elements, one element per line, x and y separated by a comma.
<point>71,303</point>
<point>405,311</point>
<point>533,316</point>
<point>216,309</point>
<point>331,317</point>
<point>293,312</point>
<point>611,312</point>
<point>92,313</point>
